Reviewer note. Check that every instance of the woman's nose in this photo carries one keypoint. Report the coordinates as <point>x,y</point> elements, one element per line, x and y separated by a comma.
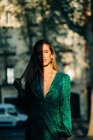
<point>43,55</point>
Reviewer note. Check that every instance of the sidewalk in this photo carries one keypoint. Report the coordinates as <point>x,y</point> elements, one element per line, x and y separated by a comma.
<point>80,138</point>
<point>79,128</point>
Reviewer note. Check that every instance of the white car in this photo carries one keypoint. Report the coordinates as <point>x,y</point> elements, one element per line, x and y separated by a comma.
<point>10,117</point>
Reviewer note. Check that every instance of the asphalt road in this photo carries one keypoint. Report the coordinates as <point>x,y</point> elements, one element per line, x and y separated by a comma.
<point>11,134</point>
<point>80,138</point>
<point>18,134</point>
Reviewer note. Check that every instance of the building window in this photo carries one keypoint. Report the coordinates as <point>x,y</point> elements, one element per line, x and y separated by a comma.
<point>10,75</point>
<point>8,17</point>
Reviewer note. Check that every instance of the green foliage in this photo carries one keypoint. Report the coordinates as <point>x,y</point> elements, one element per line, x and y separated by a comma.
<point>45,18</point>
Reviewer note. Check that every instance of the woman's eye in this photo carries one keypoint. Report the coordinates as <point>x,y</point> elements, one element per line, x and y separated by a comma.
<point>46,51</point>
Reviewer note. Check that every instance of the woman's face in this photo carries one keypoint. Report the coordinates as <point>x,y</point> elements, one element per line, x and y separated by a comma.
<point>44,55</point>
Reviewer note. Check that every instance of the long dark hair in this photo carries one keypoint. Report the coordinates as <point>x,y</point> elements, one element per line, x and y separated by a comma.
<point>32,66</point>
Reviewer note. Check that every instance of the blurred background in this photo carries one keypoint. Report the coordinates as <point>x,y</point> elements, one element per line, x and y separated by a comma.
<point>68,25</point>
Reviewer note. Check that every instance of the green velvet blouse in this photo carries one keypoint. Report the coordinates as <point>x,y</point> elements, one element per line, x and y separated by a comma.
<point>48,116</point>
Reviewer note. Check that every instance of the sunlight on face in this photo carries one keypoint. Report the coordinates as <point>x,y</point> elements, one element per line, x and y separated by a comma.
<point>44,55</point>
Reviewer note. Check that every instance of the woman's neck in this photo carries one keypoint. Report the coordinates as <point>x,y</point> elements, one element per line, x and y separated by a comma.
<point>46,70</point>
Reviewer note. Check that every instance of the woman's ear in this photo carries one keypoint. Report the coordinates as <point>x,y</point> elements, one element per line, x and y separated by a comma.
<point>52,56</point>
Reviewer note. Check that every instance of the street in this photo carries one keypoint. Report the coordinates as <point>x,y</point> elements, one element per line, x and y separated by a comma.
<point>80,138</point>
<point>11,134</point>
<point>18,134</point>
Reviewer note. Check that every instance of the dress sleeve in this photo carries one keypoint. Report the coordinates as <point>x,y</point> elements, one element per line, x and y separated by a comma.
<point>65,109</point>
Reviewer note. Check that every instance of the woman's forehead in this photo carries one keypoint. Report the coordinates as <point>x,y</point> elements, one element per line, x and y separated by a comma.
<point>43,47</point>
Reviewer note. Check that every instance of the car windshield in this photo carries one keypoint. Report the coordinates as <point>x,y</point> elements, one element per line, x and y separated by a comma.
<point>12,111</point>
<point>2,111</point>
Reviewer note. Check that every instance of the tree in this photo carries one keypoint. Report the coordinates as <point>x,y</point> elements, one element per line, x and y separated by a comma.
<point>44,19</point>
<point>89,33</point>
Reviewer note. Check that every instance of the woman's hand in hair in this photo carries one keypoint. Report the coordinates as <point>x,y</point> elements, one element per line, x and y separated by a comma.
<point>17,83</point>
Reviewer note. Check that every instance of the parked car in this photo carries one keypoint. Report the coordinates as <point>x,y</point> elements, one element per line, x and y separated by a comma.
<point>10,117</point>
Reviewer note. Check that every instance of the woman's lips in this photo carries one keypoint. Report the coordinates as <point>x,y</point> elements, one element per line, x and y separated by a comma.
<point>44,59</point>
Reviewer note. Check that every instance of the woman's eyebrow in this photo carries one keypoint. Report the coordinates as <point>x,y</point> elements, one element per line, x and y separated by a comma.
<point>45,50</point>
<point>40,51</point>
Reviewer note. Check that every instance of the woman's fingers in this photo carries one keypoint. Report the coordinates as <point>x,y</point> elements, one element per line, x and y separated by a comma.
<point>17,83</point>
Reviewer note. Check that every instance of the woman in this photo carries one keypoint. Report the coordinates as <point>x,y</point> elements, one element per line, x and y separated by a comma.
<point>46,98</point>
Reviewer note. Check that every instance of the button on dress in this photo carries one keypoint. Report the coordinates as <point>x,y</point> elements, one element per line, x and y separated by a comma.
<point>49,117</point>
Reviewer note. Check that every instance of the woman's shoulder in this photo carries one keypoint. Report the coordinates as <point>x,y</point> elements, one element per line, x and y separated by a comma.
<point>63,77</point>
<point>62,74</point>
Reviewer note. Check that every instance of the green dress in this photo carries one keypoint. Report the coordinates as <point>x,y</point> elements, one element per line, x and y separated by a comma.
<point>49,117</point>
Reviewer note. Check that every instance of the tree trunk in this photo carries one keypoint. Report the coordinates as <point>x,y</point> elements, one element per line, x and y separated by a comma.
<point>89,35</point>
<point>90,130</point>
